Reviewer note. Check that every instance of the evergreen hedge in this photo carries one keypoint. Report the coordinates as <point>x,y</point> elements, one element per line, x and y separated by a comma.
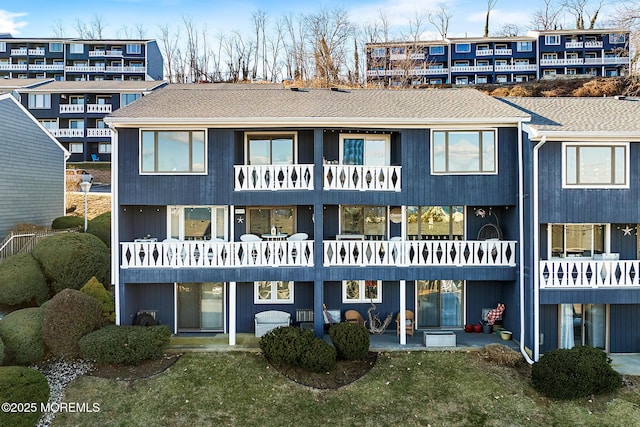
<point>100,227</point>
<point>96,290</point>
<point>21,333</point>
<point>286,344</point>
<point>351,340</point>
<point>19,384</point>
<point>22,281</point>
<point>129,345</point>
<point>65,222</point>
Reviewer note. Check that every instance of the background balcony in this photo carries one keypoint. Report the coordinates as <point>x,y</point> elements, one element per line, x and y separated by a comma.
<point>362,178</point>
<point>67,133</point>
<point>71,108</point>
<point>273,177</point>
<point>98,132</point>
<point>471,68</point>
<point>570,274</point>
<point>98,108</point>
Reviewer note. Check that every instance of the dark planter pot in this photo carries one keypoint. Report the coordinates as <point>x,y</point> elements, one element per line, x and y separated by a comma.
<point>468,328</point>
<point>477,327</point>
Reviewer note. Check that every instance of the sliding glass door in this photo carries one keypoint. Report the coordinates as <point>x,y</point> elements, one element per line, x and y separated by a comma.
<point>439,303</point>
<point>201,306</point>
<point>583,324</point>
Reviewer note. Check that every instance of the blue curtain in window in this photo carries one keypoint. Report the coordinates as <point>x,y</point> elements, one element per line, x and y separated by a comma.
<point>353,151</point>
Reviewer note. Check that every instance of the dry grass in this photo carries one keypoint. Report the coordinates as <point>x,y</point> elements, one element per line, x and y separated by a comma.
<point>97,203</point>
<point>502,355</point>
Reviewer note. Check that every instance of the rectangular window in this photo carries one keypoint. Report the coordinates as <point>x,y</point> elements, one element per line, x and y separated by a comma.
<point>596,165</point>
<point>362,291</point>
<point>462,80</point>
<point>104,148</point>
<point>50,124</point>
<point>436,50</point>
<point>172,152</point>
<point>197,222</point>
<point>76,124</point>
<point>367,221</point>
<point>76,48</point>
<point>373,150</point>
<point>551,40</point>
<point>39,100</point>
<point>435,222</point>
<point>440,303</point>
<point>378,52</point>
<point>583,324</point>
<point>134,48</point>
<point>524,46</point>
<point>270,149</point>
<point>460,152</point>
<point>3,46</point>
<point>617,38</point>
<point>261,219</point>
<point>76,147</point>
<point>273,292</point>
<point>128,98</point>
<point>55,47</point>
<point>576,240</point>
<point>463,47</point>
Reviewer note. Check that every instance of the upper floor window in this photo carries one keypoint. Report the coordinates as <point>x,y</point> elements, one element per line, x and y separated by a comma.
<point>397,50</point>
<point>128,98</point>
<point>435,222</point>
<point>596,165</point>
<point>3,46</point>
<point>272,292</point>
<point>197,222</point>
<point>463,47</point>
<point>266,149</point>
<point>76,48</point>
<point>464,151</point>
<point>56,47</point>
<point>365,149</point>
<point>262,219</point>
<point>436,50</point>
<point>76,147</point>
<point>172,151</point>
<point>617,38</point>
<point>576,240</point>
<point>134,48</point>
<point>362,291</point>
<point>551,40</point>
<point>50,124</point>
<point>104,148</point>
<point>378,52</point>
<point>366,222</point>
<point>40,100</point>
<point>524,46</point>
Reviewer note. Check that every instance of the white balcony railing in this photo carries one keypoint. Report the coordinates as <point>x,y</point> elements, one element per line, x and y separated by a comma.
<point>113,53</point>
<point>593,45</point>
<point>505,52</point>
<point>273,177</point>
<point>429,71</point>
<point>19,52</point>
<point>36,52</point>
<point>565,61</point>
<point>607,61</point>
<point>570,274</point>
<point>415,253</point>
<point>84,69</point>
<point>573,45</point>
<point>18,67</point>
<point>207,254</point>
<point>471,68</point>
<point>98,132</point>
<point>96,53</point>
<point>98,108</point>
<point>516,67</point>
<point>484,52</point>
<point>71,108</point>
<point>67,133</point>
<point>134,69</point>
<point>46,67</point>
<point>362,178</point>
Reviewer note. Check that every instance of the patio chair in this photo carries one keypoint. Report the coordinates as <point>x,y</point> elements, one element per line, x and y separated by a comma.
<point>298,237</point>
<point>354,316</point>
<point>95,158</point>
<point>250,238</point>
<point>410,324</point>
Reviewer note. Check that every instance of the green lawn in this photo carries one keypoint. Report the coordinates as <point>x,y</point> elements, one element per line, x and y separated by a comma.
<point>403,389</point>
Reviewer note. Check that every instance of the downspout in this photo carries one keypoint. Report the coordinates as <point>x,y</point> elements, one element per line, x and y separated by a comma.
<point>536,253</point>
<point>521,239</point>
<point>115,223</point>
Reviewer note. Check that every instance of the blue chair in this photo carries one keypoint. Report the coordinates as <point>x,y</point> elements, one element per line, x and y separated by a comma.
<point>95,158</point>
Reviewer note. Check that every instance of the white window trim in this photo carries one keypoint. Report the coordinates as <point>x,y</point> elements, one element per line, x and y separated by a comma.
<point>521,43</point>
<point>274,293</point>
<point>384,136</point>
<point>35,97</point>
<point>102,148</point>
<point>76,144</point>
<point>247,135</point>
<point>136,51</point>
<point>206,150</point>
<point>627,164</point>
<point>479,130</point>
<point>3,46</point>
<point>442,47</point>
<point>606,236</point>
<point>549,37</point>
<point>463,44</point>
<point>56,50</point>
<point>361,293</point>
<point>71,48</point>
<point>180,210</point>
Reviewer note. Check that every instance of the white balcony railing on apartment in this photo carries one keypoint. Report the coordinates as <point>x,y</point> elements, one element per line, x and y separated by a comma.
<point>607,61</point>
<point>96,53</point>
<point>273,177</point>
<point>98,132</point>
<point>593,45</point>
<point>565,61</point>
<point>46,67</point>
<point>113,53</point>
<point>71,108</point>
<point>98,108</point>
<point>471,68</point>
<point>398,56</point>
<point>208,254</point>
<point>18,67</point>
<point>19,52</point>
<point>36,52</point>
<point>84,68</point>
<point>570,274</point>
<point>416,56</point>
<point>415,253</point>
<point>484,52</point>
<point>362,177</point>
<point>516,67</point>
<point>134,69</point>
<point>505,52</point>
<point>67,133</point>
<point>573,45</point>
<point>430,71</point>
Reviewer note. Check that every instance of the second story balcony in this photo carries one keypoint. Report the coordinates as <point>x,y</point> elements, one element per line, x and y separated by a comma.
<point>98,108</point>
<point>484,52</point>
<point>589,273</point>
<point>98,133</point>
<point>67,133</point>
<point>416,253</point>
<point>562,61</point>
<point>84,69</point>
<point>118,69</point>
<point>46,67</point>
<point>361,177</point>
<point>22,51</point>
<point>516,67</point>
<point>71,108</point>
<point>471,68</point>
<point>273,177</point>
<point>10,67</point>
<point>430,71</point>
<point>36,52</point>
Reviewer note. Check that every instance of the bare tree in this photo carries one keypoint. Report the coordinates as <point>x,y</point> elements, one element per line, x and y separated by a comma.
<point>259,23</point>
<point>628,17</point>
<point>94,30</point>
<point>440,19</point>
<point>169,46</point>
<point>137,32</point>
<point>509,30</point>
<point>58,29</point>
<point>490,5</point>
<point>579,10</point>
<point>416,26</point>
<point>547,17</point>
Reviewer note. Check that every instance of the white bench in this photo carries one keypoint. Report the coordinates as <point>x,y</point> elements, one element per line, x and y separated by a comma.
<point>439,339</point>
<point>270,319</point>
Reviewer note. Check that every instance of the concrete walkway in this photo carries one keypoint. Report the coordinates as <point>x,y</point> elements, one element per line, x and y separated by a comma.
<point>626,364</point>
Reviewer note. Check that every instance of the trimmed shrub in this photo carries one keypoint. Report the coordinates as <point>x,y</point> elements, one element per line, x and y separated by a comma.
<point>22,281</point>
<point>1,351</point>
<point>69,260</point>
<point>96,290</point>
<point>69,221</point>
<point>21,332</point>
<point>129,345</point>
<point>351,340</point>
<point>22,385</point>
<point>286,344</point>
<point>572,373</point>
<point>68,316</point>
<point>319,356</point>
<point>100,227</point>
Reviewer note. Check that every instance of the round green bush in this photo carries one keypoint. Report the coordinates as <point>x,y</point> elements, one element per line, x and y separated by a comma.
<point>69,316</point>
<point>572,373</point>
<point>319,356</point>
<point>286,344</point>
<point>100,227</point>
<point>96,290</point>
<point>19,384</point>
<point>69,260</point>
<point>21,332</point>
<point>69,221</point>
<point>128,345</point>
<point>1,351</point>
<point>351,340</point>
<point>22,281</point>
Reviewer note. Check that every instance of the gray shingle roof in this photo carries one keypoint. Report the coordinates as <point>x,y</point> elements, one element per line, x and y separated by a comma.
<point>97,86</point>
<point>581,115</point>
<point>239,103</point>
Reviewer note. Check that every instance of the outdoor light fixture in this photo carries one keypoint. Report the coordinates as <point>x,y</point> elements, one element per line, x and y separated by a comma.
<point>85,186</point>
